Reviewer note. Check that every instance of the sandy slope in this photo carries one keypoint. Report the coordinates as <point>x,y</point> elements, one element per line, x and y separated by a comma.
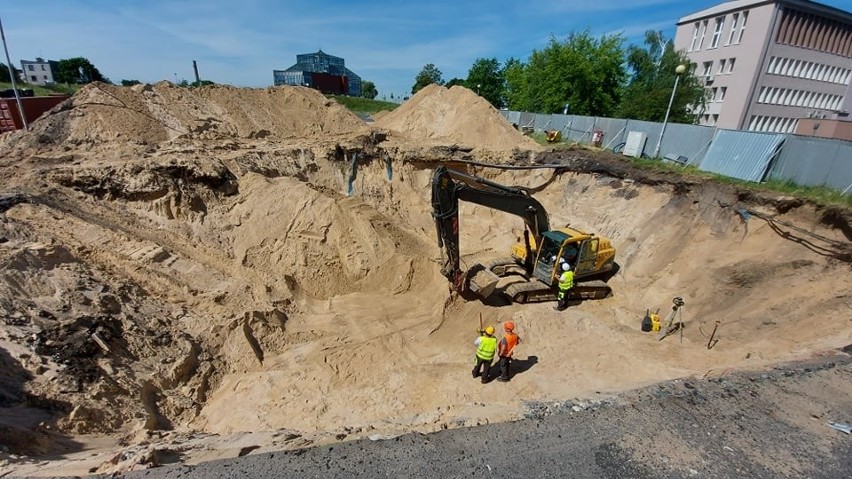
<point>164,288</point>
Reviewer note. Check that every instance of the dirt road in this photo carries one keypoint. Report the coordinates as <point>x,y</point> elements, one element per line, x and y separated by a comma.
<point>758,425</point>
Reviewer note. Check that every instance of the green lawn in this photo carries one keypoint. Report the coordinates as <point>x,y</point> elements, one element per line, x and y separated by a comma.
<point>40,90</point>
<point>818,194</point>
<point>363,105</point>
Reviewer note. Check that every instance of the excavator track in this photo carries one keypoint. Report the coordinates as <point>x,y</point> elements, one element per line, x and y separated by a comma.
<point>504,266</point>
<point>535,291</point>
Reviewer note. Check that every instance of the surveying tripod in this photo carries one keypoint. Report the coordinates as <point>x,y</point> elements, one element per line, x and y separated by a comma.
<point>671,325</point>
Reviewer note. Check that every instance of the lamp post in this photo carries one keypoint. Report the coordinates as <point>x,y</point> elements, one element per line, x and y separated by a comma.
<point>679,71</point>
<point>12,76</point>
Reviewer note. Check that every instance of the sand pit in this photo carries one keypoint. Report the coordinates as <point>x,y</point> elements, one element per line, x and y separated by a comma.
<point>222,290</point>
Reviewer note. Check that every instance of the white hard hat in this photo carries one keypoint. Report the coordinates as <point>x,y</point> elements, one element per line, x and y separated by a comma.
<point>566,266</point>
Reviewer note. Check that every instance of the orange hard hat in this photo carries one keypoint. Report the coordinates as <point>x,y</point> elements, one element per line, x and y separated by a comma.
<point>509,326</point>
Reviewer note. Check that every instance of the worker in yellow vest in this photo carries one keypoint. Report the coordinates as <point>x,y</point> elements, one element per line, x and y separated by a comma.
<point>566,282</point>
<point>486,346</point>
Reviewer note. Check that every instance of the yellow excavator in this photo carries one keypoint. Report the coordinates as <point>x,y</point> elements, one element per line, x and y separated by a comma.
<point>535,262</point>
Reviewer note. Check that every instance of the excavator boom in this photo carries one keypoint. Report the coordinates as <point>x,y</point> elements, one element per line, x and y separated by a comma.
<point>450,186</point>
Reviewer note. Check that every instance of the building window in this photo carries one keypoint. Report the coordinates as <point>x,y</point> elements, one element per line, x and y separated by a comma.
<point>33,78</point>
<point>703,32</point>
<point>722,92</point>
<point>713,94</point>
<point>733,28</point>
<point>809,73</point>
<point>694,35</point>
<point>721,66</point>
<point>742,28</point>
<point>42,68</point>
<point>708,68</point>
<point>717,32</point>
<point>731,65</point>
<point>31,68</point>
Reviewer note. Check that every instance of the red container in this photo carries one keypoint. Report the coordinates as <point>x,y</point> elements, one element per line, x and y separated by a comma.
<point>334,84</point>
<point>10,118</point>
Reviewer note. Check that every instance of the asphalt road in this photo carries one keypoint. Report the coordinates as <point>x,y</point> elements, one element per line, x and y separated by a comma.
<point>757,425</point>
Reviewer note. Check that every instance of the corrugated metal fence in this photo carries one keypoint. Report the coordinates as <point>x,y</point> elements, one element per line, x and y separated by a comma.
<point>745,155</point>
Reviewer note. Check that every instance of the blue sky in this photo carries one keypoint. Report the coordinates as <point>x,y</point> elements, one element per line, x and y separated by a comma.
<point>386,42</point>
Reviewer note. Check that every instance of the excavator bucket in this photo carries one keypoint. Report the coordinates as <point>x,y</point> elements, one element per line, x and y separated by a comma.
<point>481,280</point>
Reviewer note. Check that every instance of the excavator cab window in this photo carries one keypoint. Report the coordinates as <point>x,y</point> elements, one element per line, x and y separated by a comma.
<point>588,257</point>
<point>551,243</point>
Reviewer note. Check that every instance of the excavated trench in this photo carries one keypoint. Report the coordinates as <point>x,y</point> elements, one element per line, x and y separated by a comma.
<point>228,288</point>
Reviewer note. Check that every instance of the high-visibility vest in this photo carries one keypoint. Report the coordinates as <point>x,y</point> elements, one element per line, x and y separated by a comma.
<point>566,281</point>
<point>487,346</point>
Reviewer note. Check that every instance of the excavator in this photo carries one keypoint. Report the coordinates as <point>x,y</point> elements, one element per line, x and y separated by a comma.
<point>534,264</point>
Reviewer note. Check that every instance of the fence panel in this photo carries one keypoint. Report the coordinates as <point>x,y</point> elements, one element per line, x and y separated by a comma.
<point>650,129</point>
<point>527,119</point>
<point>741,154</point>
<point>691,141</point>
<point>614,129</point>
<point>581,129</point>
<point>561,122</point>
<point>542,122</point>
<point>812,161</point>
<point>513,116</point>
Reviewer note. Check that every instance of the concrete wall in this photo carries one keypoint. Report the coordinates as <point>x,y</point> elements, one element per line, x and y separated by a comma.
<point>825,128</point>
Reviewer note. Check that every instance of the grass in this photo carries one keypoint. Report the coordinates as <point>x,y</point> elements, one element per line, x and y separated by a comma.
<point>42,91</point>
<point>818,194</point>
<point>363,105</point>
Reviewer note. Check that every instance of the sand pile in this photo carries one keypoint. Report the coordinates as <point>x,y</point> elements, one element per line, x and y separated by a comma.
<point>455,115</point>
<point>147,115</point>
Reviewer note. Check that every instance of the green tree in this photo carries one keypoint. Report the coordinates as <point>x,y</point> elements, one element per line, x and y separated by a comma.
<point>455,82</point>
<point>368,90</point>
<point>585,72</point>
<point>488,80</point>
<point>653,72</point>
<point>516,85</point>
<point>4,73</point>
<point>78,70</point>
<point>428,75</point>
<point>130,82</point>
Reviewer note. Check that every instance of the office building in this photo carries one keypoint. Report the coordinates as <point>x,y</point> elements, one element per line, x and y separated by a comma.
<point>768,64</point>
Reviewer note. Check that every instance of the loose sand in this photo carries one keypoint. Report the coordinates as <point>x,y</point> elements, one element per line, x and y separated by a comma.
<point>199,271</point>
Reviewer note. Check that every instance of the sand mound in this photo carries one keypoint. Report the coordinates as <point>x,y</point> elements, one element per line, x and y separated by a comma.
<point>457,115</point>
<point>101,114</point>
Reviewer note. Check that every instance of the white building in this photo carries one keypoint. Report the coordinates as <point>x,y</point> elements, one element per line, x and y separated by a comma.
<point>769,63</point>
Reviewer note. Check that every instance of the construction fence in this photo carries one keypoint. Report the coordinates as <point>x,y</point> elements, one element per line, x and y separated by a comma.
<point>746,155</point>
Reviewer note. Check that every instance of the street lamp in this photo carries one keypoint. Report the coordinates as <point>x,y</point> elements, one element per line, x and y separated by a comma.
<point>679,71</point>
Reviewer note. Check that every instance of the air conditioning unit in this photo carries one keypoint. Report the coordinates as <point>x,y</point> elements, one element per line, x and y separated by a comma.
<point>635,144</point>
<point>709,79</point>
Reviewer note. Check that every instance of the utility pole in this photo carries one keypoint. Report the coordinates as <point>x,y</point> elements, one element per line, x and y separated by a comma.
<point>195,68</point>
<point>12,76</point>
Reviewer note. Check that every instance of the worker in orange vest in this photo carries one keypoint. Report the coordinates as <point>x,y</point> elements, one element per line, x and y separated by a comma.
<point>486,346</point>
<point>505,349</point>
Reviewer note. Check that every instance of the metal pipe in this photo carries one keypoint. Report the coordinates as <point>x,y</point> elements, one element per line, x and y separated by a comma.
<point>666,119</point>
<point>12,76</point>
